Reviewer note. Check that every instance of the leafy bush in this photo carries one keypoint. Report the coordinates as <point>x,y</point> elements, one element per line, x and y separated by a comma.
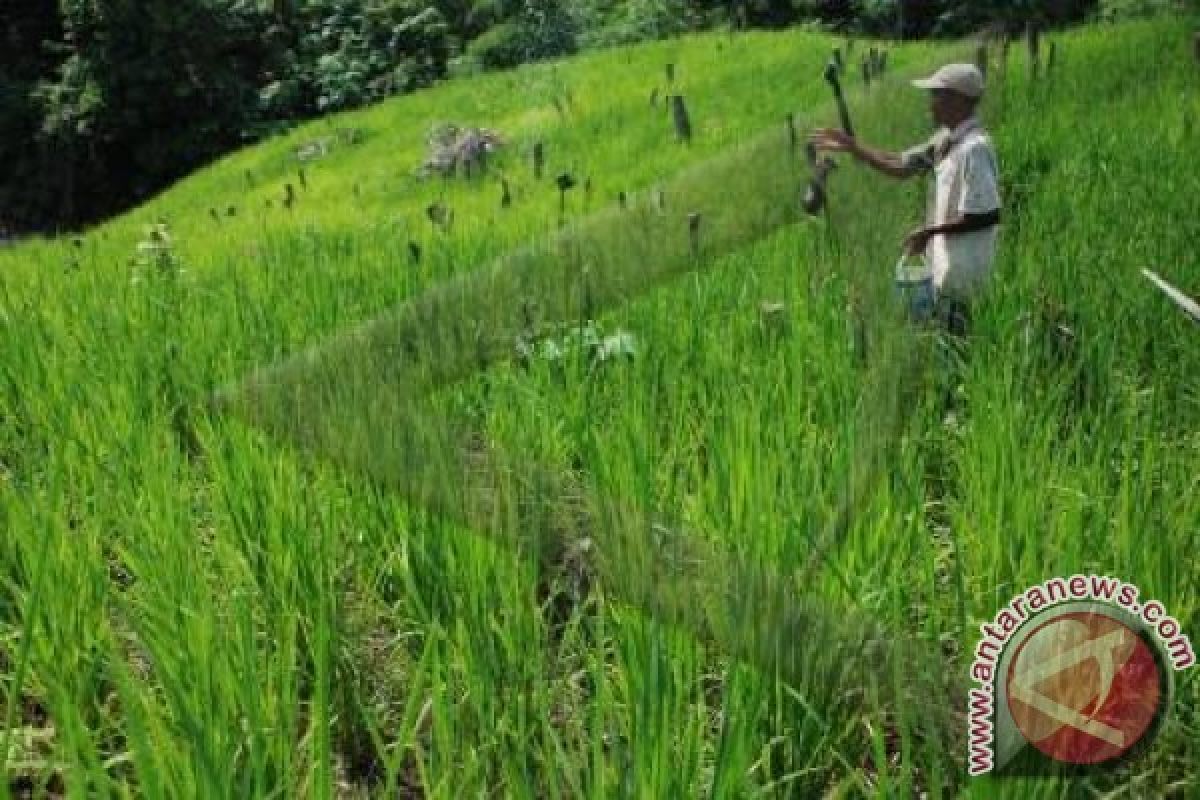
<point>541,29</point>
<point>641,20</point>
<point>1113,10</point>
<point>503,46</point>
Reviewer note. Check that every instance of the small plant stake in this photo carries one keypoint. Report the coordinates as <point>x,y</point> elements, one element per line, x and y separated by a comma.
<point>791,128</point>
<point>831,77</point>
<point>1033,39</point>
<point>439,215</point>
<point>289,196</point>
<point>683,125</point>
<point>654,97</point>
<point>506,194</point>
<point>565,183</point>
<point>694,232</point>
<point>303,179</point>
<point>981,59</point>
<point>622,200</point>
<point>670,73</point>
<point>414,252</point>
<point>1051,57</point>
<point>539,160</point>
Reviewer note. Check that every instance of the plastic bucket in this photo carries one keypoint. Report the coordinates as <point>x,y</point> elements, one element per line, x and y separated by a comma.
<point>914,288</point>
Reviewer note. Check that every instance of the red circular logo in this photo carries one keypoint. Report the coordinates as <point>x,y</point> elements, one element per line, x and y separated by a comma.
<point>1084,688</point>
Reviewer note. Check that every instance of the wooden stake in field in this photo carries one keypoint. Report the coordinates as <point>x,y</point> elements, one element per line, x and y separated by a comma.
<point>539,160</point>
<point>303,179</point>
<point>683,124</point>
<point>791,129</point>
<point>670,73</point>
<point>565,182</point>
<point>654,98</point>
<point>440,215</point>
<point>694,232</point>
<point>622,200</point>
<point>289,196</point>
<point>1033,38</point>
<point>414,252</point>
<point>981,59</point>
<point>1051,57</point>
<point>506,196</point>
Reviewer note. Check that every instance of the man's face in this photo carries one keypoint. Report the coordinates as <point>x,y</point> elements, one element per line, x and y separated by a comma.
<point>940,101</point>
<point>949,107</point>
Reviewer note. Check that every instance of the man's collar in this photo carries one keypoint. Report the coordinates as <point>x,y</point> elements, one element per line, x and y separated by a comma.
<point>957,133</point>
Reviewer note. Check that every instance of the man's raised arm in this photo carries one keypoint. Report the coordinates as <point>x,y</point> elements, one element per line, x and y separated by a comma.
<point>891,164</point>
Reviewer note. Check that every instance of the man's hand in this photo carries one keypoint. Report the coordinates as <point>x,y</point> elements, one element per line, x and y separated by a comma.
<point>916,242</point>
<point>833,140</point>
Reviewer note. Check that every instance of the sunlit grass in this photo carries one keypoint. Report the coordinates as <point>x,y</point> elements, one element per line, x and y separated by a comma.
<point>236,619</point>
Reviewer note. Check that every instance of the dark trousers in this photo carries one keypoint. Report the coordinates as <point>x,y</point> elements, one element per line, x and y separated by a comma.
<point>953,314</point>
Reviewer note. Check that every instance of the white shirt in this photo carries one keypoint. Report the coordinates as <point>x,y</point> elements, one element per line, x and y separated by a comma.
<point>964,181</point>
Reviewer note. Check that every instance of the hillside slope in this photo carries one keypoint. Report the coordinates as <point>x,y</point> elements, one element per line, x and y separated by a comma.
<point>192,607</point>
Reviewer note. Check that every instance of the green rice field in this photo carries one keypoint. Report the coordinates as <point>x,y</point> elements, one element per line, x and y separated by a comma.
<point>322,499</point>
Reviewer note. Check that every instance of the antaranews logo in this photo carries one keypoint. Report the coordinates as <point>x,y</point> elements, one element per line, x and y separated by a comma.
<point>1074,673</point>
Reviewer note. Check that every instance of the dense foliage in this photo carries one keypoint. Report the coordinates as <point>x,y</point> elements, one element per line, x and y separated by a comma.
<point>103,102</point>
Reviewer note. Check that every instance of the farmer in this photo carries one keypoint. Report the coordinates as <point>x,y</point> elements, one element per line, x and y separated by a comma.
<point>958,239</point>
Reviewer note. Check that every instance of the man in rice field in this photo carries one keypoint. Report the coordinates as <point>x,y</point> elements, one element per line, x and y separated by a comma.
<point>958,238</point>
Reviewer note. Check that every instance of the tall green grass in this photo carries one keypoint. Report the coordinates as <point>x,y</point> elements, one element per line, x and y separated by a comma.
<point>190,607</point>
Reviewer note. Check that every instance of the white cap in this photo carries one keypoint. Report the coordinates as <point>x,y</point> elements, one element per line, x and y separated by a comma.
<point>966,79</point>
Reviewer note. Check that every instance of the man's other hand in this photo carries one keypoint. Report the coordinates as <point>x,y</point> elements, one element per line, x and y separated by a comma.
<point>915,242</point>
<point>832,139</point>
